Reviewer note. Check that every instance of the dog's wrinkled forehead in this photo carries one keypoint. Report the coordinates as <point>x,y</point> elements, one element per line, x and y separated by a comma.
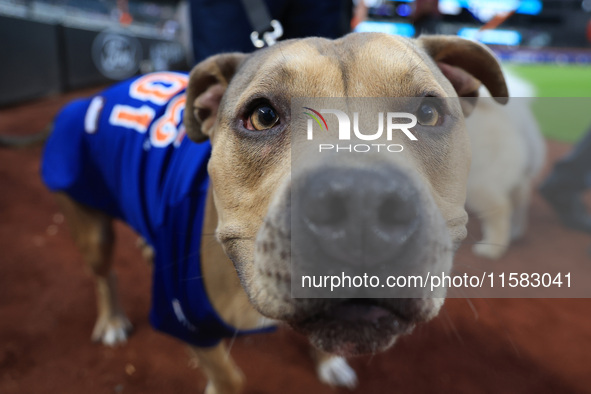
<point>357,65</point>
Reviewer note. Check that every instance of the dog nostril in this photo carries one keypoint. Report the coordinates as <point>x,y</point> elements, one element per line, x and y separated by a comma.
<point>328,210</point>
<point>393,211</point>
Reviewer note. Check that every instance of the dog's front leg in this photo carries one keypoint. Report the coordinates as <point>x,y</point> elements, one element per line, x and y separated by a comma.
<point>494,210</point>
<point>223,376</point>
<point>334,370</point>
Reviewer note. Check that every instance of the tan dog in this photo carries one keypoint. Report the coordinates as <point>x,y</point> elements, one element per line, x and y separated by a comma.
<point>247,274</point>
<point>508,153</point>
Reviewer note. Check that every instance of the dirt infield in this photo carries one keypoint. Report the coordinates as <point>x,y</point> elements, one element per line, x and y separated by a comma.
<point>47,312</point>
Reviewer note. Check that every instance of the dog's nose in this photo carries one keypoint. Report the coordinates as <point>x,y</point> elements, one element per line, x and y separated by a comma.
<point>361,217</point>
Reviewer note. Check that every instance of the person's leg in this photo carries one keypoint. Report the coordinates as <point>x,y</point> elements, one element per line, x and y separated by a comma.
<point>222,25</point>
<point>219,26</point>
<point>427,24</point>
<point>316,18</point>
<point>569,178</point>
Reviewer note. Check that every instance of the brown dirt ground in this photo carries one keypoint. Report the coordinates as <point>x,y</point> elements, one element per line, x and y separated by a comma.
<point>47,312</point>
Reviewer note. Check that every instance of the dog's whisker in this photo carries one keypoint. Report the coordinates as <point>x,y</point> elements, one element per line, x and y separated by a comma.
<point>503,327</point>
<point>473,266</point>
<point>231,344</point>
<point>191,278</point>
<point>471,305</point>
<point>469,302</point>
<point>483,243</point>
<point>452,326</point>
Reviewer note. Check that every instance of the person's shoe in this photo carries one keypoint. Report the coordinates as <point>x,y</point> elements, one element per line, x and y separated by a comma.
<point>569,207</point>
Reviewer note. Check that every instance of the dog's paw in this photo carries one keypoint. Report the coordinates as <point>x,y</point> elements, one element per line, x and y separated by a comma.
<point>336,372</point>
<point>228,385</point>
<point>146,249</point>
<point>111,331</point>
<point>489,251</point>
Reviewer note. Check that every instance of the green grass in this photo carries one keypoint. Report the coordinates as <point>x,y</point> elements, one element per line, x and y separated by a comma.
<point>553,80</point>
<point>564,107</point>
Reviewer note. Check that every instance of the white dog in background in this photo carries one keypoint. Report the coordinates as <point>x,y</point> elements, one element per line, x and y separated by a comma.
<point>508,152</point>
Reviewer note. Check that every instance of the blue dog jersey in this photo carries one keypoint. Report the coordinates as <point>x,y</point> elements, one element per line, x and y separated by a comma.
<point>124,152</point>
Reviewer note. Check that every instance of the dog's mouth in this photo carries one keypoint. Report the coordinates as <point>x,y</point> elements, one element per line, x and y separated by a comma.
<point>354,327</point>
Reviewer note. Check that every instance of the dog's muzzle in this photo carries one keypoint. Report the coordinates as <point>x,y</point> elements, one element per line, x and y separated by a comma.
<point>350,220</point>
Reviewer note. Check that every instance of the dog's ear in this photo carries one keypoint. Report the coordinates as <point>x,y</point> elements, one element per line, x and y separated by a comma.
<point>207,83</point>
<point>466,64</point>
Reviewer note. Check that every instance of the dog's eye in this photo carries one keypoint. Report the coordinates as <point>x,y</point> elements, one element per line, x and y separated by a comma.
<point>428,114</point>
<point>262,118</point>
